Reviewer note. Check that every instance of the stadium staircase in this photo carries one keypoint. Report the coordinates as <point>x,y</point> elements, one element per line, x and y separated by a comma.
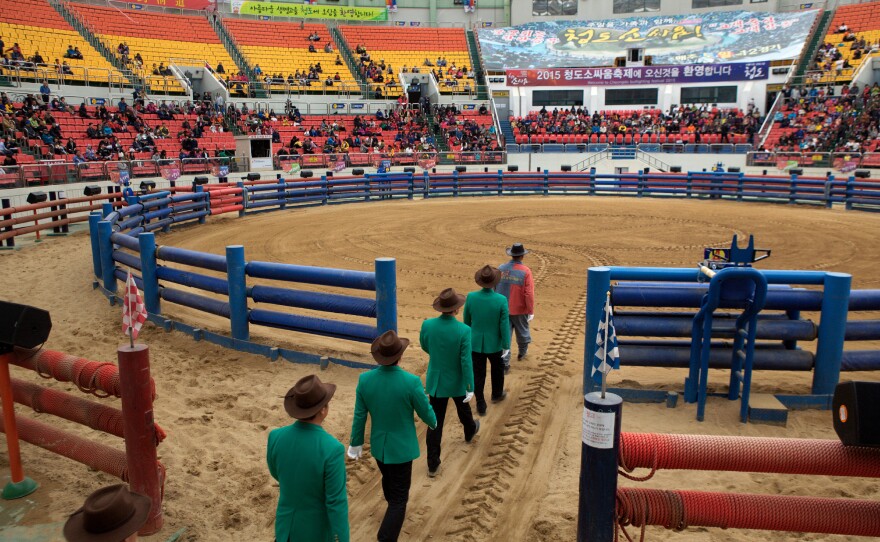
<point>96,42</point>
<point>233,50</point>
<point>818,37</point>
<point>507,132</point>
<point>477,65</point>
<point>343,48</point>
<point>623,153</point>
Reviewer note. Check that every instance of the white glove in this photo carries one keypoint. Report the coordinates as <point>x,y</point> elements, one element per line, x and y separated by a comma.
<point>468,396</point>
<point>354,452</point>
<point>530,318</point>
<point>505,353</point>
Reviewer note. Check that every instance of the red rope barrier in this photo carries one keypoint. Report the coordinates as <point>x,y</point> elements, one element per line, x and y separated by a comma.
<point>680,509</point>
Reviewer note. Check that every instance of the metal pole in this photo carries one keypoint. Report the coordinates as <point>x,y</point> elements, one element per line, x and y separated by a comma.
<point>144,474</point>
<point>386,295</point>
<point>108,266</point>
<point>19,485</point>
<point>94,218</point>
<point>598,283</point>
<point>832,331</point>
<point>600,444</point>
<point>236,276</point>
<point>147,242</point>
<point>6,203</point>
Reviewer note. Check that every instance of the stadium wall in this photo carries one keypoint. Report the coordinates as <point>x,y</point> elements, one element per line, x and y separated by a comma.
<point>688,162</point>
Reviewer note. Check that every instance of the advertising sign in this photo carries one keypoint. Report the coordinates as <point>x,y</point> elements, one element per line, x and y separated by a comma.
<point>307,11</point>
<point>649,75</point>
<point>712,38</point>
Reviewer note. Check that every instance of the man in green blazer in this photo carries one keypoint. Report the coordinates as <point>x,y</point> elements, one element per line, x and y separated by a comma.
<point>450,372</point>
<point>390,396</point>
<point>309,465</point>
<point>485,311</point>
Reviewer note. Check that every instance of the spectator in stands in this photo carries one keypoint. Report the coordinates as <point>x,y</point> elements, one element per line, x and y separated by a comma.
<point>122,106</point>
<point>314,36</point>
<point>72,53</point>
<point>37,59</point>
<point>9,160</point>
<point>850,36</point>
<point>78,159</point>
<point>15,53</point>
<point>428,62</point>
<point>312,48</point>
<point>338,61</point>
<point>138,61</point>
<point>328,47</point>
<point>70,146</point>
<point>65,69</point>
<point>45,92</point>
<point>842,29</point>
<point>220,68</point>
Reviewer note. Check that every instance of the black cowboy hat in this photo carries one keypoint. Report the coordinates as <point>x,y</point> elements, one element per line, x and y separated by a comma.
<point>388,348</point>
<point>487,276</point>
<point>517,250</point>
<point>307,397</point>
<point>448,301</point>
<point>110,514</point>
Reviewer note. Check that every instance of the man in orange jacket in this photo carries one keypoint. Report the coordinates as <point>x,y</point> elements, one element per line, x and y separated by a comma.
<point>518,287</point>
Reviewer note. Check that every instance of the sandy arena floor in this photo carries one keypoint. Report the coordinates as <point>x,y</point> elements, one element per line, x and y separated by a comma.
<point>518,480</point>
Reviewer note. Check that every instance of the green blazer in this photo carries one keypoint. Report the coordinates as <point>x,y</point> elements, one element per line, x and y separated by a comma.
<point>450,369</point>
<point>390,395</point>
<point>486,312</point>
<point>309,465</point>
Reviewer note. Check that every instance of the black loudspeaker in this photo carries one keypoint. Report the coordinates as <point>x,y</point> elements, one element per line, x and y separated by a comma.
<point>328,174</point>
<point>306,173</point>
<point>646,170</point>
<point>863,173</point>
<point>566,168</point>
<point>409,170</point>
<point>253,176</point>
<point>856,409</point>
<point>37,197</point>
<point>23,326</point>
<point>796,171</point>
<point>200,180</point>
<point>460,169</point>
<point>92,190</point>
<point>675,169</point>
<point>149,185</point>
<point>733,170</point>
<point>357,171</point>
<point>512,168</point>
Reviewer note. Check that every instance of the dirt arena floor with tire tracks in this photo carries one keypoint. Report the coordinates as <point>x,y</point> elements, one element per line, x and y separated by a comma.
<point>518,480</point>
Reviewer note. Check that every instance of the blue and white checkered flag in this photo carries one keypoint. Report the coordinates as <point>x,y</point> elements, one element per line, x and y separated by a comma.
<point>607,356</point>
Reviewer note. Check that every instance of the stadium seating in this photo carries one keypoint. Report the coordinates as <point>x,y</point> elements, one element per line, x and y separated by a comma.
<point>863,20</point>
<point>282,48</point>
<point>37,27</point>
<point>410,47</point>
<point>158,37</point>
<point>467,130</point>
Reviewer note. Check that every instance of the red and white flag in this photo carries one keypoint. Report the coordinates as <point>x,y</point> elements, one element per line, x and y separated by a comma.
<point>134,313</point>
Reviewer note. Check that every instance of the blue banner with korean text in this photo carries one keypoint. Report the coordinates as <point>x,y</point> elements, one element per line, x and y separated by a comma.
<point>648,75</point>
<point>719,37</point>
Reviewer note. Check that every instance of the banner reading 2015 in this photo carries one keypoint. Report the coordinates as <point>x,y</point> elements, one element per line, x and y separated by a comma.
<point>648,75</point>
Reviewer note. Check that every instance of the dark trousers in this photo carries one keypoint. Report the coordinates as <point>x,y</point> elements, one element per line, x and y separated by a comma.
<point>496,372</point>
<point>396,480</point>
<point>435,436</point>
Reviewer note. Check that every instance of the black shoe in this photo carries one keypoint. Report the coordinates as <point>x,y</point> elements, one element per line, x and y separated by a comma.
<point>506,369</point>
<point>500,397</point>
<point>521,355</point>
<point>477,430</point>
<point>481,409</point>
<point>433,472</point>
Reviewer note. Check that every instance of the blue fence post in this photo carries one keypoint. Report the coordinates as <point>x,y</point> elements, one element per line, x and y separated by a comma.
<point>426,184</point>
<point>367,186</point>
<point>281,191</point>
<point>236,276</point>
<point>94,218</point>
<point>546,182</point>
<point>244,198</point>
<point>147,242</point>
<point>640,186</point>
<point>598,284</point>
<point>106,209</point>
<point>689,185</point>
<point>832,331</point>
<point>201,190</point>
<point>500,182</point>
<point>410,186</point>
<point>386,294</point>
<point>455,183</point>
<point>108,266</point>
<point>829,187</point>
<point>600,444</point>
<point>850,189</point>
<point>739,186</point>
<point>792,189</point>
<point>592,182</point>
<point>325,190</point>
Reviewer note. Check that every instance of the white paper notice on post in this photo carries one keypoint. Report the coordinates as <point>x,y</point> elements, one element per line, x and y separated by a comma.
<point>598,430</point>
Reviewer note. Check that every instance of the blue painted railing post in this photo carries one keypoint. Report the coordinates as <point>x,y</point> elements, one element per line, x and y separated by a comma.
<point>600,444</point>
<point>244,198</point>
<point>592,182</point>
<point>410,186</point>
<point>282,197</point>
<point>201,190</point>
<point>367,186</point>
<point>829,187</point>
<point>106,209</point>
<point>94,218</point>
<point>546,182</point>
<point>690,181</point>
<point>832,331</point>
<point>426,184</point>
<point>235,275</point>
<point>147,242</point>
<point>850,192</point>
<point>640,186</point>
<point>386,294</point>
<point>500,182</point>
<point>598,284</point>
<point>108,266</point>
<point>739,186</point>
<point>324,190</point>
<point>455,183</point>
<point>792,189</point>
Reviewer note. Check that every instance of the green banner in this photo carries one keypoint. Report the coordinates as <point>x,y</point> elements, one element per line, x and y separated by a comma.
<point>305,11</point>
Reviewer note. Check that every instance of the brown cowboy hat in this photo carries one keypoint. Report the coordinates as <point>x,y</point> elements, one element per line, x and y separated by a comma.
<point>487,276</point>
<point>448,301</point>
<point>110,514</point>
<point>307,397</point>
<point>517,250</point>
<point>388,348</point>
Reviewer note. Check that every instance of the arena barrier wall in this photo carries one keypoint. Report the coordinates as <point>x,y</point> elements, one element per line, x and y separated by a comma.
<point>130,381</point>
<point>646,299</point>
<point>606,452</point>
<point>125,239</point>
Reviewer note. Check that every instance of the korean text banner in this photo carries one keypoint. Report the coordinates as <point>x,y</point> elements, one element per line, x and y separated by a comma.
<point>648,75</point>
<point>712,38</point>
<point>306,11</point>
<point>185,4</point>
